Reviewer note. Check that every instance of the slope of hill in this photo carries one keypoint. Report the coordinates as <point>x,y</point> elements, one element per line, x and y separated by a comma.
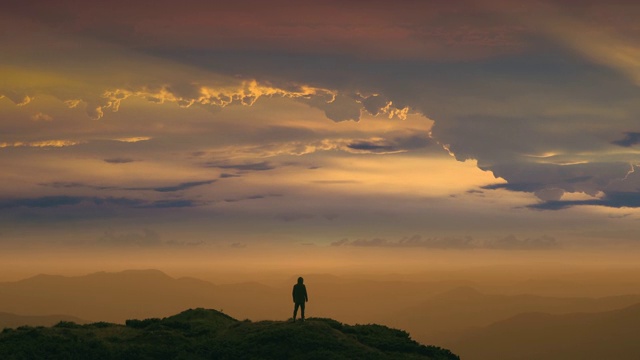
<point>209,334</point>
<point>464,307</point>
<point>577,336</point>
<point>8,320</point>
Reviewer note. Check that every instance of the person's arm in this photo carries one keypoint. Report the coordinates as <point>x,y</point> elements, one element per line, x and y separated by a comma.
<point>306,298</point>
<point>293,293</point>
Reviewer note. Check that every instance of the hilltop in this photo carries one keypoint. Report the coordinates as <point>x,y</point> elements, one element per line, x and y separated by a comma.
<point>210,334</point>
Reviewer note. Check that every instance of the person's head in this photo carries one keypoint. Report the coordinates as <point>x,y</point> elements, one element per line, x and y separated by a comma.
<point>300,280</point>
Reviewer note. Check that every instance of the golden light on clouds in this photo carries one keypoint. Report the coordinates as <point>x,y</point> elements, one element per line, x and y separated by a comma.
<point>41,144</point>
<point>133,139</point>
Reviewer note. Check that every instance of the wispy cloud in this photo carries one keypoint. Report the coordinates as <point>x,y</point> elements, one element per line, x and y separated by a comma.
<point>64,200</point>
<point>118,160</point>
<point>41,144</point>
<point>256,166</point>
<point>181,186</point>
<point>169,188</point>
<point>71,201</point>
<point>145,238</point>
<point>40,116</point>
<point>133,139</point>
<point>413,241</point>
<point>251,197</point>
<point>509,242</point>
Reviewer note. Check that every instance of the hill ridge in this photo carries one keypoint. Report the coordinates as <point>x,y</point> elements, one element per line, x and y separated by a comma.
<point>205,334</point>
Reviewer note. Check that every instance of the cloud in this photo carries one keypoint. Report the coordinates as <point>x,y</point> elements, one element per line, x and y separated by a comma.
<point>257,166</point>
<point>64,200</point>
<point>370,146</point>
<point>41,202</point>
<point>552,181</point>
<point>18,98</point>
<point>596,43</point>
<point>176,243</point>
<point>251,197</point>
<point>336,182</point>
<point>145,238</point>
<point>118,160</point>
<point>162,189</point>
<point>537,106</point>
<point>511,242</point>
<point>630,139</point>
<point>181,186</point>
<point>244,92</point>
<point>291,216</point>
<point>167,204</point>
<point>41,144</point>
<point>133,139</point>
<point>394,145</point>
<point>340,108</point>
<point>227,175</point>
<point>71,185</point>
<point>610,199</point>
<point>80,201</point>
<point>396,142</point>
<point>39,116</point>
<point>413,241</point>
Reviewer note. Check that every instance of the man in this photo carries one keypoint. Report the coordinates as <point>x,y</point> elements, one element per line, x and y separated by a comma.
<point>299,298</point>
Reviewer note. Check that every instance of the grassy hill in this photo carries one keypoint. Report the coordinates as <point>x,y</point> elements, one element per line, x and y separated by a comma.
<point>209,334</point>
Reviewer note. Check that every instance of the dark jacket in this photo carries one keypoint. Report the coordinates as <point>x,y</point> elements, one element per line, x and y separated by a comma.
<point>300,293</point>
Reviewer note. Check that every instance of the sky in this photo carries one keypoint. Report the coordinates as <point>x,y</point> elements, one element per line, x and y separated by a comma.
<point>326,126</point>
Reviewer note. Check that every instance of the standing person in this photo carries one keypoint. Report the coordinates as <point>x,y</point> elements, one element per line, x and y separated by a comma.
<point>299,298</point>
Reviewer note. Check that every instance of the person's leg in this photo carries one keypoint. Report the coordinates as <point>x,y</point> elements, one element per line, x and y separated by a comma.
<point>302,311</point>
<point>295,311</point>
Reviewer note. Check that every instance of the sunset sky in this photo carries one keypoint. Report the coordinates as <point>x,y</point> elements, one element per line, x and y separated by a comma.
<point>328,125</point>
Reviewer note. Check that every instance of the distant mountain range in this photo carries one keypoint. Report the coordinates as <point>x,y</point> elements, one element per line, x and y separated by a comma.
<point>209,334</point>
<point>129,294</point>
<point>465,307</point>
<point>577,336</point>
<point>447,313</point>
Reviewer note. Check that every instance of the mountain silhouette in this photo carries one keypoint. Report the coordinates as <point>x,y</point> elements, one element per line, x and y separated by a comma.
<point>463,308</point>
<point>209,334</point>
<point>116,297</point>
<point>576,336</point>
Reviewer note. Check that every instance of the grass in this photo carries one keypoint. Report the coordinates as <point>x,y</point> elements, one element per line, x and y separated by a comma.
<point>209,334</point>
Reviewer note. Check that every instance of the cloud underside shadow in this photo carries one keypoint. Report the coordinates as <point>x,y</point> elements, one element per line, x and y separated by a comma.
<point>162,189</point>
<point>45,202</point>
<point>611,199</point>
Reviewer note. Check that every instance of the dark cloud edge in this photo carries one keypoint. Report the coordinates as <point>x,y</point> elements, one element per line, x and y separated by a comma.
<point>44,202</point>
<point>611,199</point>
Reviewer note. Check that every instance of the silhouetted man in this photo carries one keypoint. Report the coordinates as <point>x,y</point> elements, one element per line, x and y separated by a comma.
<point>299,298</point>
